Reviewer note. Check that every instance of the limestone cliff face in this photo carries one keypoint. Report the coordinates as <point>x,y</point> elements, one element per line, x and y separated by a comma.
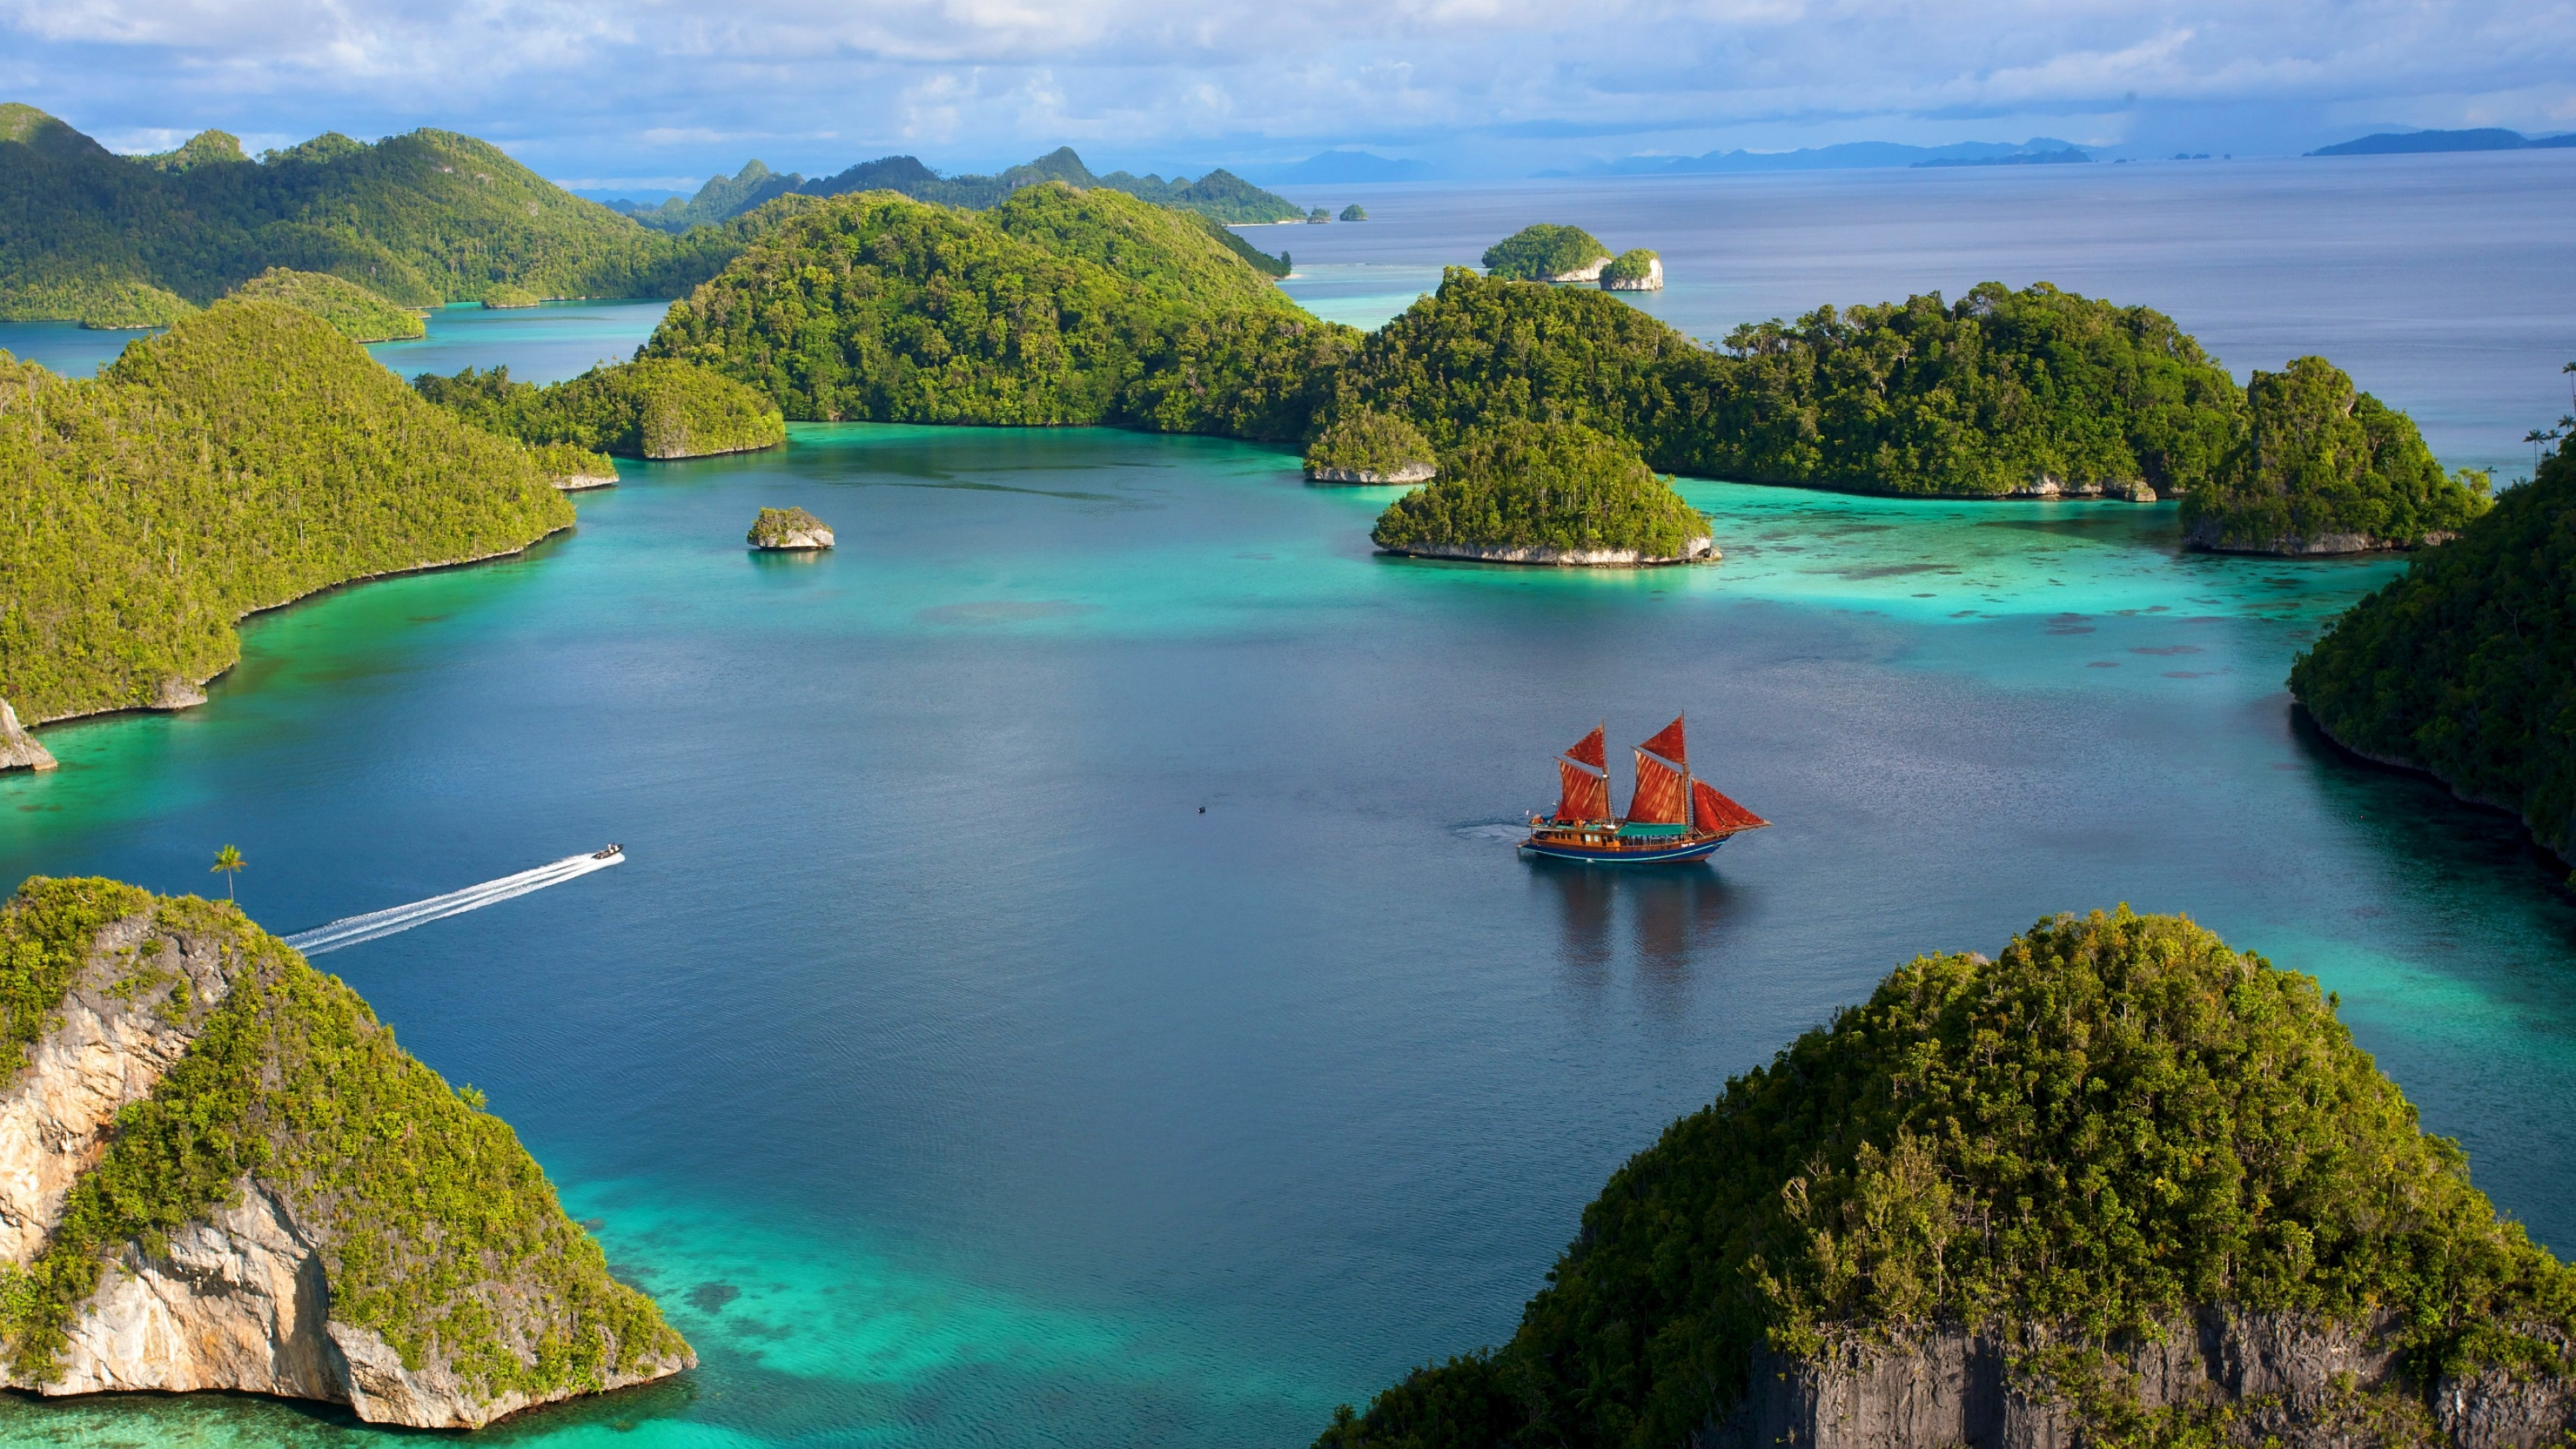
<point>2293,1380</point>
<point>241,1296</point>
<point>1698,550</point>
<point>1371,477</point>
<point>18,749</point>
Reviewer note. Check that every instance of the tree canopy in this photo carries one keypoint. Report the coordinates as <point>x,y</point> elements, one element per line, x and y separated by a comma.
<point>1543,485</point>
<point>2116,1120</point>
<point>361,315</point>
<point>248,456</point>
<point>2466,666</point>
<point>1542,253</point>
<point>2322,462</point>
<point>419,219</point>
<point>657,408</point>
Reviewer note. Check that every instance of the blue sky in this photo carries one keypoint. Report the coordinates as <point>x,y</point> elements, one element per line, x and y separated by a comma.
<point>664,92</point>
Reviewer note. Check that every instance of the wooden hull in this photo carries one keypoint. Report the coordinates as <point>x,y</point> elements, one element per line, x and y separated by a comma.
<point>1633,852</point>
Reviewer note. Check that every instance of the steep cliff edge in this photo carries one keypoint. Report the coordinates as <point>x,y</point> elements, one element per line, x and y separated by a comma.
<point>2120,1186</point>
<point>219,1171</point>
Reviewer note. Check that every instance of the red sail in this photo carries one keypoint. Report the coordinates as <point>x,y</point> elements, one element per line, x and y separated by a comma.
<point>1589,750</point>
<point>1668,743</point>
<point>1658,800</point>
<point>1582,795</point>
<point>1713,811</point>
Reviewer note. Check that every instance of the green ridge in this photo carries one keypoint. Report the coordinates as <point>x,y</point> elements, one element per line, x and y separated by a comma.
<point>247,457</point>
<point>2321,457</point>
<point>361,315</point>
<point>2466,666</point>
<point>657,408</point>
<point>421,219</point>
<point>435,1227</point>
<point>876,307</point>
<point>2116,1120</point>
<point>1543,485</point>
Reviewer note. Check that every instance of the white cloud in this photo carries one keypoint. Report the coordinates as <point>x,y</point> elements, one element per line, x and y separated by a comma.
<point>689,82</point>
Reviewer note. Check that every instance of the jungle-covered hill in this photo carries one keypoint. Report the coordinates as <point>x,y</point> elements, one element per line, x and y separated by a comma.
<point>2466,666</point>
<point>657,408</point>
<point>1054,307</point>
<point>420,219</point>
<point>1551,489</point>
<point>2068,1149</point>
<point>246,457</point>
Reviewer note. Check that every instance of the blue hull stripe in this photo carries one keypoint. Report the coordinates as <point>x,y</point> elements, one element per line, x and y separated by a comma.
<point>1700,851</point>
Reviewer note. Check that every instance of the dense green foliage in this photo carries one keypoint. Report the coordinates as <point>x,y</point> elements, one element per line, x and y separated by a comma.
<point>2466,666</point>
<point>2117,1120</point>
<point>1366,441</point>
<point>361,315</point>
<point>1542,253</point>
<point>419,219</point>
<point>1984,396</point>
<point>1543,485</point>
<point>1354,212</point>
<point>1055,307</point>
<point>657,408</point>
<point>45,932</point>
<point>2320,457</point>
<point>433,1222</point>
<point>1478,353</point>
<point>248,456</point>
<point>502,297</point>
<point>1219,195</point>
<point>1633,265</point>
<point>773,527</point>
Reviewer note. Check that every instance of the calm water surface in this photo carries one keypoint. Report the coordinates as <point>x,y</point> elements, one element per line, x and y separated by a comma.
<point>953,1080</point>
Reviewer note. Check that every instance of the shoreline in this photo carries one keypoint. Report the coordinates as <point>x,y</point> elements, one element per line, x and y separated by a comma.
<point>2302,716</point>
<point>199,685</point>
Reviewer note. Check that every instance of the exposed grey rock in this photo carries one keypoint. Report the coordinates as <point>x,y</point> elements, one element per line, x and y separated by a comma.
<point>176,693</point>
<point>2204,534</point>
<point>1409,473</point>
<point>18,749</point>
<point>577,482</point>
<point>1957,1388</point>
<point>1699,550</point>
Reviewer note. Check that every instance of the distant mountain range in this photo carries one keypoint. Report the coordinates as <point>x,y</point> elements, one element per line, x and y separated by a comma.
<point>1848,156</point>
<point>2413,143</point>
<point>1220,195</point>
<point>1331,167</point>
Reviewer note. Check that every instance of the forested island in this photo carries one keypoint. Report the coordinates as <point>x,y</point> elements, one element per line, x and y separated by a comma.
<point>2465,667</point>
<point>1220,195</point>
<point>2119,1185</point>
<point>657,408</point>
<point>268,1195</point>
<point>247,457</point>
<point>1367,447</point>
<point>1547,253</point>
<point>1546,493</point>
<point>420,220</point>
<point>2326,468</point>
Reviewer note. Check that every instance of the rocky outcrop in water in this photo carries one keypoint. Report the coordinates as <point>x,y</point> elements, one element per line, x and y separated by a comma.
<point>2209,532</point>
<point>1407,473</point>
<point>18,749</point>
<point>788,530</point>
<point>2277,1377</point>
<point>313,1270</point>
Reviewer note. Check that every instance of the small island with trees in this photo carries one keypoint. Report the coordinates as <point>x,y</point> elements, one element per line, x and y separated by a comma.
<point>1370,447</point>
<point>361,315</point>
<point>1634,270</point>
<point>1546,493</point>
<point>1546,253</point>
<point>788,530</point>
<point>658,408</point>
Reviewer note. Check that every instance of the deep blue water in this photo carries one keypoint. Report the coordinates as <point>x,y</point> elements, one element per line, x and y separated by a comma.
<point>953,1080</point>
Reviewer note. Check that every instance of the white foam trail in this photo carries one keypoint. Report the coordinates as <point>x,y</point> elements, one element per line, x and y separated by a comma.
<point>350,930</point>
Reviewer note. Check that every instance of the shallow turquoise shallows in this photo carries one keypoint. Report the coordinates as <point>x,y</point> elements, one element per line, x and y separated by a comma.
<point>953,1079</point>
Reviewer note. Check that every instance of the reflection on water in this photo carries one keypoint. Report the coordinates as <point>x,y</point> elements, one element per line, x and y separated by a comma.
<point>1668,920</point>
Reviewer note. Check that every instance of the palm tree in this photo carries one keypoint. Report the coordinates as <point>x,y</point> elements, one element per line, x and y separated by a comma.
<point>2535,438</point>
<point>229,860</point>
<point>2570,370</point>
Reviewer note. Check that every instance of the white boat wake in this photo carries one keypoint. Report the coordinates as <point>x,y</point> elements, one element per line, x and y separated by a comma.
<point>350,930</point>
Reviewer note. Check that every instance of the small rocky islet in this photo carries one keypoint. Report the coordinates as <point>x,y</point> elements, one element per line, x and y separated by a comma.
<point>788,530</point>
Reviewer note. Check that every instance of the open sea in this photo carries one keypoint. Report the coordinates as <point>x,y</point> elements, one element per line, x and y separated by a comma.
<point>1072,982</point>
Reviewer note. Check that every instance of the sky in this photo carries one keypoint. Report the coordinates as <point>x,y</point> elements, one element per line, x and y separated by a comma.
<point>649,94</point>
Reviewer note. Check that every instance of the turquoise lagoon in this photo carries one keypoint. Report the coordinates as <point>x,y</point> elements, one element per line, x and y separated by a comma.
<point>951,1078</point>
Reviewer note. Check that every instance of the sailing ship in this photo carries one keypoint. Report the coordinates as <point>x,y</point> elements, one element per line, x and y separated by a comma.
<point>1671,816</point>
